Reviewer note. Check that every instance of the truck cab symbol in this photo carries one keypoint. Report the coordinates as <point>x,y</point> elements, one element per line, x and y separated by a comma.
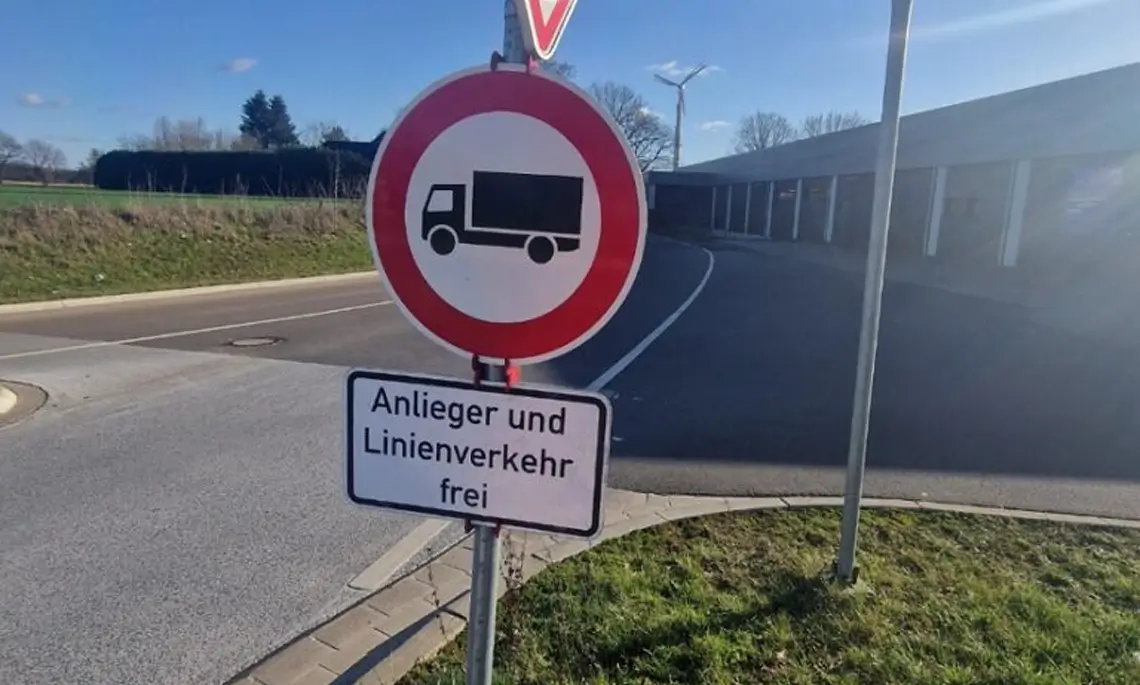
<point>539,213</point>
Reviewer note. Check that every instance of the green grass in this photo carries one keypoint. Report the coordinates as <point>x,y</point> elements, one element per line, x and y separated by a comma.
<point>745,598</point>
<point>21,194</point>
<point>50,251</point>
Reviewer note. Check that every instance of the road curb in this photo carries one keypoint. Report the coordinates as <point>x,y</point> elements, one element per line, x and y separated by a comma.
<point>410,620</point>
<point>126,298</point>
<point>7,400</point>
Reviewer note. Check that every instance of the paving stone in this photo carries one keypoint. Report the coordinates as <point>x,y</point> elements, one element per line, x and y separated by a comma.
<point>882,503</point>
<point>694,509</point>
<point>419,647</point>
<point>457,558</point>
<point>285,667</point>
<point>344,629</point>
<point>440,575</point>
<point>317,675</point>
<point>567,549</point>
<point>624,500</point>
<point>677,501</point>
<point>813,501</point>
<point>399,593</point>
<point>400,618</point>
<point>751,503</point>
<point>963,508</point>
<point>355,651</point>
<point>628,526</point>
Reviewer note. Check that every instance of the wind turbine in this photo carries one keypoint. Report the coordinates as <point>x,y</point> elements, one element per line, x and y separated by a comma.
<point>680,86</point>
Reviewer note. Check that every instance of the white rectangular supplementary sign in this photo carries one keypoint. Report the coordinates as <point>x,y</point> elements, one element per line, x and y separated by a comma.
<point>525,457</point>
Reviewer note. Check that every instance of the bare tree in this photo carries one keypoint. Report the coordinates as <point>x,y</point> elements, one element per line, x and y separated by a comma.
<point>320,132</point>
<point>762,130</point>
<point>45,158</point>
<point>184,135</point>
<point>244,143</point>
<point>10,151</point>
<point>822,124</point>
<point>648,135</point>
<point>562,69</point>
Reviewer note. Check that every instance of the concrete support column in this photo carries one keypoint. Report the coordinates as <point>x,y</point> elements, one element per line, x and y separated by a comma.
<point>768,218</point>
<point>936,206</point>
<point>712,212</point>
<point>832,193</point>
<point>728,212</point>
<point>1019,194</point>
<point>799,203</point>
<point>747,206</point>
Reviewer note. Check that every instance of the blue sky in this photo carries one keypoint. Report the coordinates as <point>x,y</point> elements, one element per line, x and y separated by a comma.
<point>81,74</point>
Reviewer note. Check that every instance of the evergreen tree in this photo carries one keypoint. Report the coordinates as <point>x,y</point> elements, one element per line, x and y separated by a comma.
<point>282,132</point>
<point>256,119</point>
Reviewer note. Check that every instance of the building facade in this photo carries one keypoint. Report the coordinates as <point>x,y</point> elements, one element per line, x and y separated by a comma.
<point>1034,178</point>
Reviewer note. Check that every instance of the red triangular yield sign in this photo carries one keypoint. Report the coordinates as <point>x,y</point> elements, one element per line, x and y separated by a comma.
<point>542,23</point>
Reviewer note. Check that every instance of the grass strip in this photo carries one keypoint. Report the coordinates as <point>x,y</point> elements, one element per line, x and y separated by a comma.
<point>52,251</point>
<point>745,598</point>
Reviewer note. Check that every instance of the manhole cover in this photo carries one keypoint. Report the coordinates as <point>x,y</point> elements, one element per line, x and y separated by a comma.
<point>262,341</point>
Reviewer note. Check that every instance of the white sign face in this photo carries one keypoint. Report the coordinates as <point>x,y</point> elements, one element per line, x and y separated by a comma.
<point>475,249</point>
<point>523,457</point>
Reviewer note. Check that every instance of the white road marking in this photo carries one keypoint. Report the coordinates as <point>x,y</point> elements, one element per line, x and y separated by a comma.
<point>195,331</point>
<point>622,364</point>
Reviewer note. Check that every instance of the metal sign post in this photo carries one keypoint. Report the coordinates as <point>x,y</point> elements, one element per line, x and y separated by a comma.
<point>873,287</point>
<point>486,557</point>
<point>485,560</point>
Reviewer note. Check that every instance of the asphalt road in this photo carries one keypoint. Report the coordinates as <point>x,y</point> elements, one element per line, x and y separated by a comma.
<point>176,510</point>
<point>751,393</point>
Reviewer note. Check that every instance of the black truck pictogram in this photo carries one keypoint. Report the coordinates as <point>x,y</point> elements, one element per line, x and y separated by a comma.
<point>540,213</point>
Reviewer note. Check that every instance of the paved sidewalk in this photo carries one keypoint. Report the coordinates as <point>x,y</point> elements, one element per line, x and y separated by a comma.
<point>378,641</point>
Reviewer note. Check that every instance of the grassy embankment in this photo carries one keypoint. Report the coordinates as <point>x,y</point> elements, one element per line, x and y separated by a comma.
<point>744,598</point>
<point>62,241</point>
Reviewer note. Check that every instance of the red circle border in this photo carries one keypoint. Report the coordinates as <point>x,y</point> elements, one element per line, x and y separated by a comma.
<point>616,178</point>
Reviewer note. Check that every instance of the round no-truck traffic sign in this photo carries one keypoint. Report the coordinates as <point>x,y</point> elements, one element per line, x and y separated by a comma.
<point>506,214</point>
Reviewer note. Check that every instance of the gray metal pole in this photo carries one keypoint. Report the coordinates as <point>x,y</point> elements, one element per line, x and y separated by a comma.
<point>873,286</point>
<point>487,553</point>
<point>485,561</point>
<point>677,131</point>
<point>513,48</point>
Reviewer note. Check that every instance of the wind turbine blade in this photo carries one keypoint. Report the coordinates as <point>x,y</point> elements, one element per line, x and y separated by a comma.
<point>692,74</point>
<point>666,81</point>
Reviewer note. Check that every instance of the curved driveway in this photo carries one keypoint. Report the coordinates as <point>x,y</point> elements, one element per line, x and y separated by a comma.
<point>750,393</point>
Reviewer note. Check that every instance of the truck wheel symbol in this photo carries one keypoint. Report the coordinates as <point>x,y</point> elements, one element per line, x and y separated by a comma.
<point>442,240</point>
<point>540,249</point>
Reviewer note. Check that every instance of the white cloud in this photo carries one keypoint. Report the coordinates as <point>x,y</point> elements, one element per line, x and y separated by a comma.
<point>650,112</point>
<point>240,64</point>
<point>714,125</point>
<point>998,19</point>
<point>675,69</point>
<point>38,100</point>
